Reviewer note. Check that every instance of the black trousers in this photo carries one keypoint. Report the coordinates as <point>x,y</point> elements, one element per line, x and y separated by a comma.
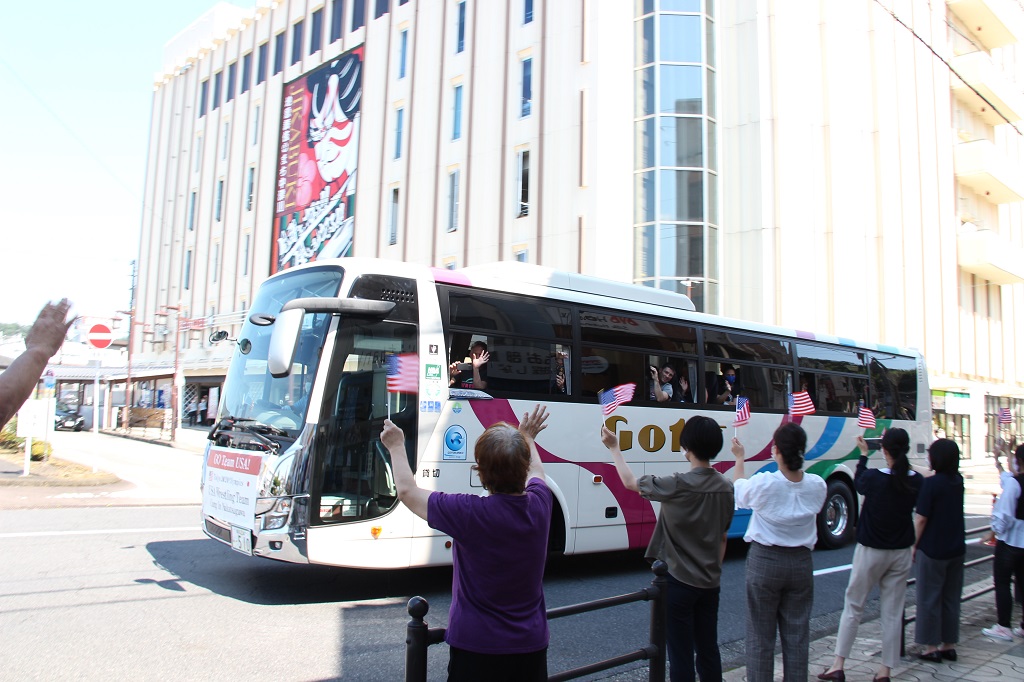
<point>1008,562</point>
<point>693,630</point>
<point>469,666</point>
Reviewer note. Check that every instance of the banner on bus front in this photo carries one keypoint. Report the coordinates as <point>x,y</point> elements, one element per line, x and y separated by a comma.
<point>231,486</point>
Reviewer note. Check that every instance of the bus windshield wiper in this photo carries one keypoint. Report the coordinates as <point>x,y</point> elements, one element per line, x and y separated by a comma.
<point>258,426</point>
<point>257,430</point>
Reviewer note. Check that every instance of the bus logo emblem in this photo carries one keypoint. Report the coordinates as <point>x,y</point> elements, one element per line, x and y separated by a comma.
<point>434,372</point>
<point>455,443</point>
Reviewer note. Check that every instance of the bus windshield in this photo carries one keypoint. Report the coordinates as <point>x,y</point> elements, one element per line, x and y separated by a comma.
<point>252,397</point>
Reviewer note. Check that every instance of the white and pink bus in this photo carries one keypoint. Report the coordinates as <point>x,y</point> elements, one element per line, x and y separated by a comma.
<point>296,471</point>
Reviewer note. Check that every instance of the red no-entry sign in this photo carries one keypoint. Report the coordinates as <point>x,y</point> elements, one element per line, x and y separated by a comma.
<point>100,336</point>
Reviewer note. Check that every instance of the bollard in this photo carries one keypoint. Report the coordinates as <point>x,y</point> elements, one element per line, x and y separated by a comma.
<point>416,641</point>
<point>659,616</point>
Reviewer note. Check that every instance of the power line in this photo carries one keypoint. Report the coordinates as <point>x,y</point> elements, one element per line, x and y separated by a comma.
<point>948,65</point>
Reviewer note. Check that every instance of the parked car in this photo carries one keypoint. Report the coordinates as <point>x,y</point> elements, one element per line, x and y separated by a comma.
<point>66,418</point>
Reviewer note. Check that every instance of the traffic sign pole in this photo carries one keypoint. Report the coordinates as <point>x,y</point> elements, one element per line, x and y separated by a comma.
<point>100,336</point>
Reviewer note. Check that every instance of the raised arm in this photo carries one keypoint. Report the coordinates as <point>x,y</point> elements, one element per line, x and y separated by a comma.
<point>740,453</point>
<point>531,424</point>
<point>478,361</point>
<point>411,495</point>
<point>626,475</point>
<point>43,341</point>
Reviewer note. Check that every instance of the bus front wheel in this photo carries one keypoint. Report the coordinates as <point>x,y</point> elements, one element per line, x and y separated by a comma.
<point>835,521</point>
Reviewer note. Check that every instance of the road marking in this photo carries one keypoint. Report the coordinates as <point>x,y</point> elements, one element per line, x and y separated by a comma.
<point>57,533</point>
<point>847,567</point>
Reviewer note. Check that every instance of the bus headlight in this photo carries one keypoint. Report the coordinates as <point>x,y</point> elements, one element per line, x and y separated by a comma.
<point>272,522</point>
<point>276,516</point>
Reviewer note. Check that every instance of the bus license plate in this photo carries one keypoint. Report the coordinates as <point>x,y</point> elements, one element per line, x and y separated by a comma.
<point>241,540</point>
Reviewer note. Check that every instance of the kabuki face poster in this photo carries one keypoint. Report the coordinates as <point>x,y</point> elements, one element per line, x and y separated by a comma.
<point>317,159</point>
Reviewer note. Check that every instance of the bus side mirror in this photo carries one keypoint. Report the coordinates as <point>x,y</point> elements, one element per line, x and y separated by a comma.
<point>283,342</point>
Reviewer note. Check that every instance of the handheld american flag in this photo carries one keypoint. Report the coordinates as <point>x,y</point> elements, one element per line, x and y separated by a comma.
<point>403,372</point>
<point>800,403</point>
<point>614,397</point>
<point>742,412</point>
<point>866,418</point>
<point>1005,415</point>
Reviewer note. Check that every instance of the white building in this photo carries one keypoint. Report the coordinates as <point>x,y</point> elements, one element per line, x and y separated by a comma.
<point>816,165</point>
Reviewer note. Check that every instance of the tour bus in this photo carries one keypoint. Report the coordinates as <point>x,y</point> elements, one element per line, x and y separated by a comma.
<point>295,470</point>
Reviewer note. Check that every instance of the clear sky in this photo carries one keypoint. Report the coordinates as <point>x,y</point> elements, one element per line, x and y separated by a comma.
<point>77,83</point>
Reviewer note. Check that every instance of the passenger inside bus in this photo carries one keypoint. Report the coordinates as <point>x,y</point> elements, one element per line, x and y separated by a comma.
<point>472,371</point>
<point>682,391</point>
<point>660,382</point>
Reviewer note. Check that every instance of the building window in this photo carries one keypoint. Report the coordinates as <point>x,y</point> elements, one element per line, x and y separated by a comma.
<point>202,97</point>
<point>358,14</point>
<point>297,42</point>
<point>250,180</point>
<point>261,64</point>
<point>192,212</point>
<point>316,34</point>
<point>215,265</point>
<point>246,71</point>
<point>224,141</point>
<point>522,255</point>
<point>337,18</point>
<point>215,100</point>
<point>403,51</point>
<point>453,201</point>
<point>399,115</point>
<point>527,87</point>
<point>256,125</point>
<point>279,53</point>
<point>230,94</point>
<point>186,284</point>
<point>393,219</point>
<point>245,258</point>
<point>220,200</point>
<point>381,8</point>
<point>523,189</point>
<point>457,114</point>
<point>460,40</point>
<point>527,11</point>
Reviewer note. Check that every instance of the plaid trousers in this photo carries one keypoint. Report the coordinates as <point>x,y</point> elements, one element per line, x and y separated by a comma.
<point>780,594</point>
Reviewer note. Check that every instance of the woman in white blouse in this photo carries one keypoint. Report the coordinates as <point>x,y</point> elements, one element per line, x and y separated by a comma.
<point>782,531</point>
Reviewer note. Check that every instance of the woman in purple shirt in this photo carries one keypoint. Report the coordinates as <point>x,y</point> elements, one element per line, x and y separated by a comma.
<point>497,625</point>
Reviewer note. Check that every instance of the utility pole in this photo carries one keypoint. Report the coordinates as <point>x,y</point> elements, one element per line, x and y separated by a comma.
<point>176,379</point>
<point>126,420</point>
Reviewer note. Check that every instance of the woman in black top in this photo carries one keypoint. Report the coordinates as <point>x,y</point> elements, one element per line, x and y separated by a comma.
<point>885,535</point>
<point>939,554</point>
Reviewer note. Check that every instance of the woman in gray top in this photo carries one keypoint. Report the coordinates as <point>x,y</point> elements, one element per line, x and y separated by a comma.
<point>690,537</point>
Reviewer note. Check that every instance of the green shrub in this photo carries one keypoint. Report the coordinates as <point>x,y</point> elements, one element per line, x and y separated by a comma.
<point>9,436</point>
<point>41,449</point>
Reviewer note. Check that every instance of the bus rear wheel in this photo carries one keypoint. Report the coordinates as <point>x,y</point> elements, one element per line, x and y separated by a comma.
<point>835,521</point>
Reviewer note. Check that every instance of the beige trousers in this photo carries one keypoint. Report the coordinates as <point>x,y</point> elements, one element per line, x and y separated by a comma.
<point>887,568</point>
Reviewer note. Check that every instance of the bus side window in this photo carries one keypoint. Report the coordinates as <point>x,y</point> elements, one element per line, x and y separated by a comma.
<point>605,368</point>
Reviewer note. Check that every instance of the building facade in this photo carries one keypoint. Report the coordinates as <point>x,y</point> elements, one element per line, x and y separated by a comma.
<point>848,168</point>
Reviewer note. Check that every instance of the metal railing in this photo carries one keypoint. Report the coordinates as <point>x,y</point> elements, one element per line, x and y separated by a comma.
<point>418,637</point>
<point>907,620</point>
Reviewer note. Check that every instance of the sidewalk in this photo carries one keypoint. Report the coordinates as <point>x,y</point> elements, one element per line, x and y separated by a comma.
<point>192,438</point>
<point>113,468</point>
<point>979,658</point>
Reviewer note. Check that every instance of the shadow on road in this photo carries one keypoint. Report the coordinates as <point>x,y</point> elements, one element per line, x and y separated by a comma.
<point>210,565</point>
